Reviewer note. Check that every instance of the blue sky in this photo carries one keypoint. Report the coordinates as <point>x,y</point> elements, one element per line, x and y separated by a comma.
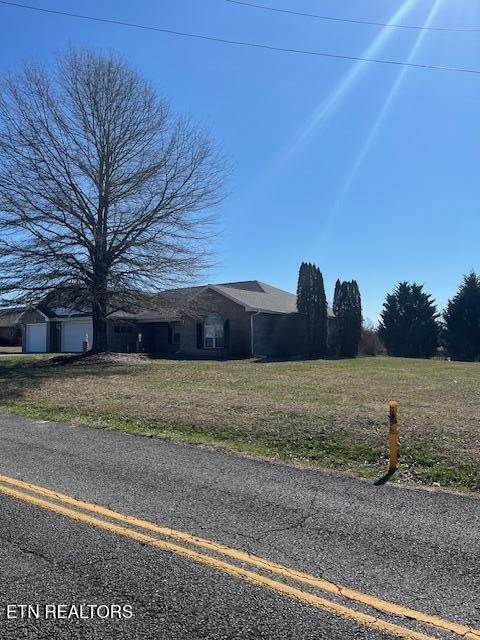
<point>370,171</point>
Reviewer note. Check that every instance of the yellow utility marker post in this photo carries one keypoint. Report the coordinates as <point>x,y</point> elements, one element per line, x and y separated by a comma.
<point>393,435</point>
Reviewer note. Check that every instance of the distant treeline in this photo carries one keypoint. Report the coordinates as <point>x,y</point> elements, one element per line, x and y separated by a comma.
<point>410,324</point>
<point>412,327</point>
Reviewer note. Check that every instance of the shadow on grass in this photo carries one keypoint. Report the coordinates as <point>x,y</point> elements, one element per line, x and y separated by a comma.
<point>153,355</point>
<point>223,358</point>
<point>18,376</point>
<point>270,359</point>
<point>385,478</point>
<point>303,358</point>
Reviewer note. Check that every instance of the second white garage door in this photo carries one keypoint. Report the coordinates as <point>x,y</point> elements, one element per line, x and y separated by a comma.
<point>73,335</point>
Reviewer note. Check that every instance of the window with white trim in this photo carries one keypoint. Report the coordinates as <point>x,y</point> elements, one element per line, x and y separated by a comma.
<point>176,333</point>
<point>213,332</point>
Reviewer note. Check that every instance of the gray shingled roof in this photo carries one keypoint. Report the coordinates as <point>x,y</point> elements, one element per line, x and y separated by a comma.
<point>253,295</point>
<point>258,296</point>
<point>250,294</point>
<point>171,305</point>
<point>165,306</point>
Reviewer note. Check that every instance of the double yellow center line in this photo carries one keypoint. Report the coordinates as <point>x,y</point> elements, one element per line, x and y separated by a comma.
<point>135,528</point>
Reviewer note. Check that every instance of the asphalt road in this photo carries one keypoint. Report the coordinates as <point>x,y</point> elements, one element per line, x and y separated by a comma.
<point>416,548</point>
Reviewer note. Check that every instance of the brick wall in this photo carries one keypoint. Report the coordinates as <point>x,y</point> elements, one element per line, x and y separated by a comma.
<point>122,336</point>
<point>277,335</point>
<point>210,302</point>
<point>10,336</point>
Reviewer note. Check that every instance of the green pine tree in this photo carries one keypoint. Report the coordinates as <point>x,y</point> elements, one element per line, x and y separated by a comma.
<point>320,315</point>
<point>312,307</point>
<point>462,321</point>
<point>347,308</point>
<point>409,322</point>
<point>336,296</point>
<point>355,318</point>
<point>304,303</point>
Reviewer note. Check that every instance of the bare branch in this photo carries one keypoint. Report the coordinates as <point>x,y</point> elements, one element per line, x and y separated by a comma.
<point>103,191</point>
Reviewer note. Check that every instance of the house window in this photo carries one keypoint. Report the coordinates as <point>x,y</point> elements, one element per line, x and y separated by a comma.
<point>174,333</point>
<point>123,328</point>
<point>213,336</point>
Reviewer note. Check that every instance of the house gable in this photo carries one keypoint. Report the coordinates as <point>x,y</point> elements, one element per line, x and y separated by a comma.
<point>210,302</point>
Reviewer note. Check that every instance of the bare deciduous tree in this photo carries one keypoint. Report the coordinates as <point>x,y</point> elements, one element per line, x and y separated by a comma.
<point>103,193</point>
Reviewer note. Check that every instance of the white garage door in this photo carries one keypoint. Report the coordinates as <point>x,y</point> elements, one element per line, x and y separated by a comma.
<point>37,337</point>
<point>73,335</point>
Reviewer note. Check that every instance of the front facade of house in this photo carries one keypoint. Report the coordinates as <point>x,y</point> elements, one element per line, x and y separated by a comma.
<point>10,329</point>
<point>238,319</point>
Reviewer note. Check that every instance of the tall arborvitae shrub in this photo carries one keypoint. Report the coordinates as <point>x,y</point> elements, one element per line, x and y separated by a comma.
<point>462,321</point>
<point>321,315</point>
<point>347,307</point>
<point>304,305</point>
<point>336,295</point>
<point>312,307</point>
<point>409,322</point>
<point>355,318</point>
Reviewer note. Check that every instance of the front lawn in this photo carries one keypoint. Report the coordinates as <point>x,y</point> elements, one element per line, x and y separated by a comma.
<point>328,413</point>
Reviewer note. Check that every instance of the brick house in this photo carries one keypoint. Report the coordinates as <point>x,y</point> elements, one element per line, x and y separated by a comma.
<point>238,319</point>
<point>10,328</point>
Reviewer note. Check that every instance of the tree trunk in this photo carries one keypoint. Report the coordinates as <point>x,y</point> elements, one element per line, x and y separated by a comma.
<point>100,337</point>
<point>100,310</point>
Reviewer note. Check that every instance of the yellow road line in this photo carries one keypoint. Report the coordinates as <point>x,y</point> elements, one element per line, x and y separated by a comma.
<point>351,594</point>
<point>230,569</point>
